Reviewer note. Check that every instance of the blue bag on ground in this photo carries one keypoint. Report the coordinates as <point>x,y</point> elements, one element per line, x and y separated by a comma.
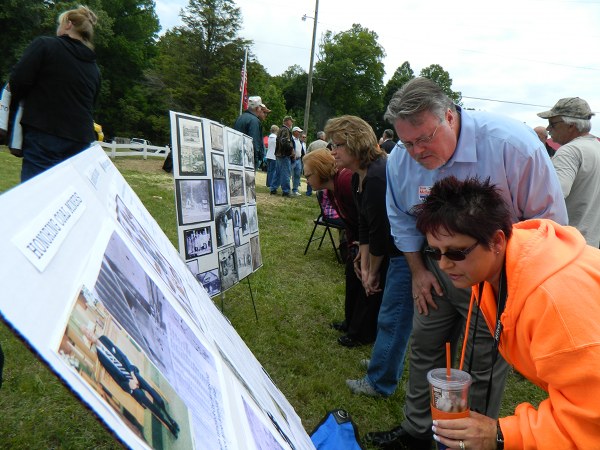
<point>336,432</point>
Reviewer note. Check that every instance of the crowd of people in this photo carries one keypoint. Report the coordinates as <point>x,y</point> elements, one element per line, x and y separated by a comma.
<point>471,214</point>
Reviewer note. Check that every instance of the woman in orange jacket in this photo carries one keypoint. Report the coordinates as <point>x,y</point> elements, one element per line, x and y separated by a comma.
<point>538,286</point>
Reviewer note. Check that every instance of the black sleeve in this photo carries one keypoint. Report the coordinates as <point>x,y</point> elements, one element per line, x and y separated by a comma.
<point>376,214</point>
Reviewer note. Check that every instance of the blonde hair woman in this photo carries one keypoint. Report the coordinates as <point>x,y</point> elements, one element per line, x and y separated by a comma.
<point>354,147</point>
<point>57,80</point>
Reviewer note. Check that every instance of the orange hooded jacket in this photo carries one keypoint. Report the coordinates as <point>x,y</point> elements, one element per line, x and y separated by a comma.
<point>551,334</point>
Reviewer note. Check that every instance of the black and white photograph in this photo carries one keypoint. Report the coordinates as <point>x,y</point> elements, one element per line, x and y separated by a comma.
<point>237,236</point>
<point>252,219</point>
<point>193,266</point>
<point>224,226</point>
<point>211,281</point>
<point>244,260</point>
<point>220,187</point>
<point>227,267</point>
<point>245,225</point>
<point>250,187</point>
<point>192,161</point>
<point>218,165</point>
<point>198,242</point>
<point>216,137</point>
<point>248,153</point>
<point>149,250</point>
<point>235,148</point>
<point>237,217</point>
<point>195,201</point>
<point>236,187</point>
<point>256,255</point>
<point>192,156</point>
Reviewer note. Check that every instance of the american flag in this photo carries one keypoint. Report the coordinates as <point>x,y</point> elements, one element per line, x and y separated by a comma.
<point>244,86</point>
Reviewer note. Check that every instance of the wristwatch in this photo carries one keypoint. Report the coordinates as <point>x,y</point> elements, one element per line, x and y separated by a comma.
<point>499,437</point>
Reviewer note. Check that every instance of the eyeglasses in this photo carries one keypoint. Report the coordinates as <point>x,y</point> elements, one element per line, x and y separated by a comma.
<point>335,146</point>
<point>553,124</point>
<point>452,255</point>
<point>421,141</point>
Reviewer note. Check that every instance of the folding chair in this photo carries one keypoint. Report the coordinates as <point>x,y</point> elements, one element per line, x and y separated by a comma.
<point>328,224</point>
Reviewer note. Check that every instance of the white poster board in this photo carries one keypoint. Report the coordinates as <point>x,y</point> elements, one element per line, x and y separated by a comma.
<point>94,286</point>
<point>215,195</point>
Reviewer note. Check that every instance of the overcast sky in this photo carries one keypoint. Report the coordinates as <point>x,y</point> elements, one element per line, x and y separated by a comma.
<point>518,56</point>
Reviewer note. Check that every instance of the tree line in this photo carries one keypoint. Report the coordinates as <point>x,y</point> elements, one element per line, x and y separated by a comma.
<point>195,68</point>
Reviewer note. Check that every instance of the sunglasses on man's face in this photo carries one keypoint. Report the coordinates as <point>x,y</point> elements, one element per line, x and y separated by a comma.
<point>452,255</point>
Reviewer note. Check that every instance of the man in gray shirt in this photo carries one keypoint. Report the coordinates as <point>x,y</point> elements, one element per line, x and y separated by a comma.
<point>577,164</point>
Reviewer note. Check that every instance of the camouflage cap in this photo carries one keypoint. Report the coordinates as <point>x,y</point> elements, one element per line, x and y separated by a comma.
<point>574,107</point>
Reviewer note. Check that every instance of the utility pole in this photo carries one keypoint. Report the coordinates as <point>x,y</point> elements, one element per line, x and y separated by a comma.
<point>310,69</point>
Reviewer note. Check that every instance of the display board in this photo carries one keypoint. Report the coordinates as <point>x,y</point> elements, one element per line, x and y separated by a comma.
<point>215,194</point>
<point>92,284</point>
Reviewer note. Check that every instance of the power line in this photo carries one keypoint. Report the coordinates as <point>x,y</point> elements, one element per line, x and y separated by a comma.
<point>510,102</point>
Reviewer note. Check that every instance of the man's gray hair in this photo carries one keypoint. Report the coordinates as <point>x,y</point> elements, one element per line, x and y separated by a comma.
<point>274,128</point>
<point>321,135</point>
<point>582,125</point>
<point>415,97</point>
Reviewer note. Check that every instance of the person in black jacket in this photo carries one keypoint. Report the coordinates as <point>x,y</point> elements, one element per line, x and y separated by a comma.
<point>57,81</point>
<point>128,377</point>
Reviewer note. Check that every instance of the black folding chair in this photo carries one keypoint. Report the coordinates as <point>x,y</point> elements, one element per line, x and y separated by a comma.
<point>322,221</point>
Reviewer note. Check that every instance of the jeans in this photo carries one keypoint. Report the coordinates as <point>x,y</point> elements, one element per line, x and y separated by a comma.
<point>394,326</point>
<point>271,171</point>
<point>296,173</point>
<point>41,151</point>
<point>284,171</point>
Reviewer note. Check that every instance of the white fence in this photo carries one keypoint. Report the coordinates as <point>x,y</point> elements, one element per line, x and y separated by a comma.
<point>144,150</point>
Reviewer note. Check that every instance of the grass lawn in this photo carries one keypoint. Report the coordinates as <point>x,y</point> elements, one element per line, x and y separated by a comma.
<point>296,298</point>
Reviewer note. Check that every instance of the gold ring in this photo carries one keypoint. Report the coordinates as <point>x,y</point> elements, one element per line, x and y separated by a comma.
<point>415,297</point>
<point>461,444</point>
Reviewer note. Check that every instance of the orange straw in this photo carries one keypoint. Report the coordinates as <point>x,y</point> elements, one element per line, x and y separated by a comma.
<point>448,364</point>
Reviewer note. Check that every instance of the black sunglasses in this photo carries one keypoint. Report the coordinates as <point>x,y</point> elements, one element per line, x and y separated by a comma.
<point>452,255</point>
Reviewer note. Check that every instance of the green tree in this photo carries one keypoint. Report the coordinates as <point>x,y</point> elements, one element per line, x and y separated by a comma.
<point>20,22</point>
<point>437,73</point>
<point>349,75</point>
<point>201,61</point>
<point>125,45</point>
<point>402,75</point>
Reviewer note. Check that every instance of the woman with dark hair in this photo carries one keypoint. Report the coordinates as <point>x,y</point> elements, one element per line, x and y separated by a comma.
<point>321,174</point>
<point>524,277</point>
<point>354,147</point>
<point>58,81</point>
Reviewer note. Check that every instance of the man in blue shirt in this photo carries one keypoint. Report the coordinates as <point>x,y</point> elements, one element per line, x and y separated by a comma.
<point>439,139</point>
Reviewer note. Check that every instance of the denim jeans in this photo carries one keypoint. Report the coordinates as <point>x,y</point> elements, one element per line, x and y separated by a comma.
<point>296,173</point>
<point>394,325</point>
<point>271,171</point>
<point>41,151</point>
<point>283,171</point>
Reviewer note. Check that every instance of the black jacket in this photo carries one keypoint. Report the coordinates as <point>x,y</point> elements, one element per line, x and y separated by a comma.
<point>59,81</point>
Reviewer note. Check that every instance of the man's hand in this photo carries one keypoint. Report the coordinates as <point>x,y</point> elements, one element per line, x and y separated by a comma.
<point>423,283</point>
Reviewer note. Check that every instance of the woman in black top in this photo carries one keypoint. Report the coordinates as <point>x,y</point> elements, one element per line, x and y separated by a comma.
<point>57,81</point>
<point>354,147</point>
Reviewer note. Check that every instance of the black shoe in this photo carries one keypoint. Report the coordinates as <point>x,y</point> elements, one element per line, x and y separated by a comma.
<point>397,439</point>
<point>274,192</point>
<point>285,194</point>
<point>340,326</point>
<point>347,341</point>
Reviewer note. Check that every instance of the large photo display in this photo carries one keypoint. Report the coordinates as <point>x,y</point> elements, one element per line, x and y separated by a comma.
<point>214,175</point>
